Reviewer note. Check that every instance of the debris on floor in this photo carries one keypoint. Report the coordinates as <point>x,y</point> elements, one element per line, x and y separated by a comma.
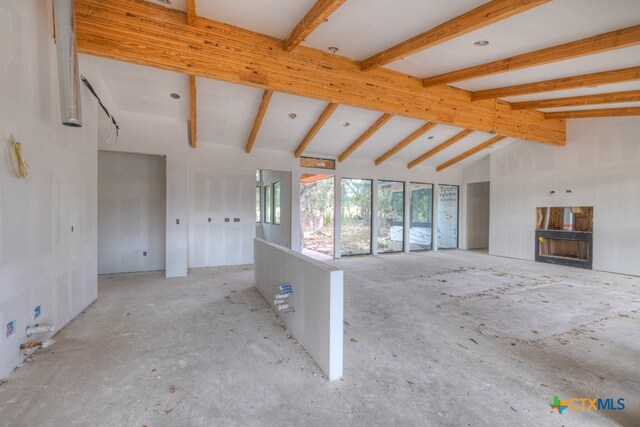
<point>30,346</point>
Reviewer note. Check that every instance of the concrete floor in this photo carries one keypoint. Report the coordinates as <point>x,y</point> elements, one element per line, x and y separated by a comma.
<point>447,338</point>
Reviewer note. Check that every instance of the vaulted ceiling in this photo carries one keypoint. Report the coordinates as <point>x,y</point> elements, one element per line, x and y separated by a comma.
<point>360,29</point>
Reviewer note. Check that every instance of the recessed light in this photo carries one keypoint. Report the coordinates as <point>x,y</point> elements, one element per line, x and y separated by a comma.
<point>490,147</point>
<point>430,137</point>
<point>174,95</point>
<point>165,1</point>
<point>481,43</point>
<point>326,20</point>
<point>292,116</point>
<point>346,124</point>
<point>333,49</point>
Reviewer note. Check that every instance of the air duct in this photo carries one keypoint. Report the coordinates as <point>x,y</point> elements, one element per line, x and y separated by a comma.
<point>68,77</point>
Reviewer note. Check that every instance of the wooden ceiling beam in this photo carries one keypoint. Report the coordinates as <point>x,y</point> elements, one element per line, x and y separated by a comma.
<point>469,153</point>
<point>266,97</point>
<point>192,17</point>
<point>602,98</point>
<point>601,112</point>
<point>408,140</point>
<point>487,14</point>
<point>588,46</point>
<point>148,34</point>
<point>193,113</point>
<point>365,136</point>
<point>316,128</point>
<point>316,16</point>
<point>574,82</point>
<point>448,143</point>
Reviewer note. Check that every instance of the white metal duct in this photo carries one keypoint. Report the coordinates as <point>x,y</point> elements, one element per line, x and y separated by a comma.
<point>68,76</point>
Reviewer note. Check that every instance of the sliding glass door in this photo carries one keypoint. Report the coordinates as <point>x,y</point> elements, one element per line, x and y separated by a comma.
<point>356,217</point>
<point>448,216</point>
<point>391,216</point>
<point>421,216</point>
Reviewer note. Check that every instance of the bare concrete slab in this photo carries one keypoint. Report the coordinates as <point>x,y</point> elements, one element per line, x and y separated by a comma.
<point>449,338</point>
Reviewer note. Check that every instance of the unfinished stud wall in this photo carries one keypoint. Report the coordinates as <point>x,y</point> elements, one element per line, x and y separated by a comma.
<point>131,212</point>
<point>42,261</point>
<point>600,166</point>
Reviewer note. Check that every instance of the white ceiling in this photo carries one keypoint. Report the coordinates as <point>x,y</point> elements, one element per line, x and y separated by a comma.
<point>361,28</point>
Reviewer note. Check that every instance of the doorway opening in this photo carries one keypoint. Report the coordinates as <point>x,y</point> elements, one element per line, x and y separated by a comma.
<point>317,214</point>
<point>131,212</point>
<point>478,202</point>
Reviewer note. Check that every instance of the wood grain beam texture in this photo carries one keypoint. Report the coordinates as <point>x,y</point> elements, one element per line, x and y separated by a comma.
<point>408,140</point>
<point>487,14</point>
<point>574,82</point>
<point>147,34</point>
<point>603,98</point>
<point>316,128</point>
<point>601,112</point>
<point>266,97</point>
<point>469,153</point>
<point>448,143</point>
<point>365,136</point>
<point>591,45</point>
<point>193,114</point>
<point>316,16</point>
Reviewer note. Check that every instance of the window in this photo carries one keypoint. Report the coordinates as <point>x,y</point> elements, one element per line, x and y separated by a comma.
<point>258,204</point>
<point>356,217</point>
<point>267,204</point>
<point>258,175</point>
<point>420,216</point>
<point>276,202</point>
<point>391,216</point>
<point>448,217</point>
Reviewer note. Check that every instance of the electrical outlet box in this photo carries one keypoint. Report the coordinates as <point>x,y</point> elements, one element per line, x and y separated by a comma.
<point>177,221</point>
<point>144,253</point>
<point>72,228</point>
<point>226,220</point>
<point>209,220</point>
<point>236,219</point>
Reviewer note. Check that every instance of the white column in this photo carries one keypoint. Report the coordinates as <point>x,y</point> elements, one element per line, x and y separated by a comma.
<point>337,216</point>
<point>407,216</point>
<point>375,218</point>
<point>434,232</point>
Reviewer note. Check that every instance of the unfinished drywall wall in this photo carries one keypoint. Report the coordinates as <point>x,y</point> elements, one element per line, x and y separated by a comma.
<point>600,166</point>
<point>477,219</point>
<point>280,234</point>
<point>47,220</point>
<point>192,172</point>
<point>317,300</point>
<point>162,136</point>
<point>131,212</point>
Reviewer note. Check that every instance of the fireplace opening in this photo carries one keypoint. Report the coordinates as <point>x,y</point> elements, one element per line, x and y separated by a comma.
<point>564,248</point>
<point>564,236</point>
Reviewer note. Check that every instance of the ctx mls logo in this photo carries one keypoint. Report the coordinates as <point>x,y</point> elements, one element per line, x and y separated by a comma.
<point>587,404</point>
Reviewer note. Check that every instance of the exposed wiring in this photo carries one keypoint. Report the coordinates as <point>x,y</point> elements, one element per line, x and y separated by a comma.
<point>20,164</point>
<point>114,124</point>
